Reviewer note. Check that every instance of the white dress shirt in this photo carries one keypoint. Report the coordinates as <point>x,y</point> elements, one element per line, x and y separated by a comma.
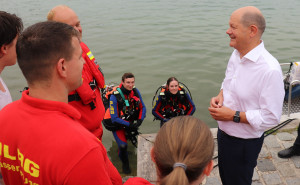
<point>5,97</point>
<point>253,84</point>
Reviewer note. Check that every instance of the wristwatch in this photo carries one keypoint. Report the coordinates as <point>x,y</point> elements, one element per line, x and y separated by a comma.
<point>236,117</point>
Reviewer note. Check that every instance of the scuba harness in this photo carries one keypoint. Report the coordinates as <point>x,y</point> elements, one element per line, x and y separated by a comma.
<point>128,109</point>
<point>172,105</point>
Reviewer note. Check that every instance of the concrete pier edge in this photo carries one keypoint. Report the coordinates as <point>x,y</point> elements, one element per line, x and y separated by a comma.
<point>270,169</point>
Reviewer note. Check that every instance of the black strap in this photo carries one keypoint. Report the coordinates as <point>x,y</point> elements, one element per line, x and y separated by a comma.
<point>74,97</point>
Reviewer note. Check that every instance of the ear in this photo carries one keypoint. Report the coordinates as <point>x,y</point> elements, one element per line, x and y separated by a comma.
<point>253,30</point>
<point>61,68</point>
<point>3,50</point>
<point>208,168</point>
<point>152,154</point>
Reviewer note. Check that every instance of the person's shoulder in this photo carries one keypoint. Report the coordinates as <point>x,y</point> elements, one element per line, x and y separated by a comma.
<point>9,109</point>
<point>136,89</point>
<point>137,181</point>
<point>84,47</point>
<point>271,61</point>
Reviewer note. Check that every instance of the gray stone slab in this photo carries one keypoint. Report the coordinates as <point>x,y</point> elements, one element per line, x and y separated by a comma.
<point>293,181</point>
<point>271,142</point>
<point>296,161</point>
<point>255,175</point>
<point>295,133</point>
<point>264,152</point>
<point>265,165</point>
<point>285,136</point>
<point>216,147</point>
<point>276,159</point>
<point>293,124</point>
<point>214,132</point>
<point>256,183</point>
<point>286,169</point>
<point>214,172</point>
<point>145,167</point>
<point>213,181</point>
<point>272,178</point>
<point>287,144</point>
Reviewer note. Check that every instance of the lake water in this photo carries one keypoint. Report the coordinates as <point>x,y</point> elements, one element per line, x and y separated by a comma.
<point>156,39</point>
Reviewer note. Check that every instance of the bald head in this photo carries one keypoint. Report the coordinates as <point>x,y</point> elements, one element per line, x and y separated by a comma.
<point>64,14</point>
<point>251,15</point>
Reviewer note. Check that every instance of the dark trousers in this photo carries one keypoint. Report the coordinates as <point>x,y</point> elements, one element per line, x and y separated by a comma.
<point>237,158</point>
<point>297,141</point>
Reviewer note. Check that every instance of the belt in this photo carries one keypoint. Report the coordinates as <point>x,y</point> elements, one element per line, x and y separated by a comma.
<point>236,138</point>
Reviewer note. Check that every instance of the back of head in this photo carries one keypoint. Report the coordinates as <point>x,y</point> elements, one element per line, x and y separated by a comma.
<point>183,139</point>
<point>11,26</point>
<point>253,16</point>
<point>40,47</point>
<point>53,11</point>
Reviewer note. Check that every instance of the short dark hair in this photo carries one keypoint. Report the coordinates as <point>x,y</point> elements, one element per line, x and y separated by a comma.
<point>127,75</point>
<point>250,18</point>
<point>40,47</point>
<point>170,80</point>
<point>11,26</point>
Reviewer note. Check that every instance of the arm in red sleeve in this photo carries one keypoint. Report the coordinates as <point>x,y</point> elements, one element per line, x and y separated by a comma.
<point>157,108</point>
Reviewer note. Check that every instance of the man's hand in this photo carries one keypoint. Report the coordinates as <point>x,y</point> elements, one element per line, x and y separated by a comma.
<point>221,114</point>
<point>217,102</point>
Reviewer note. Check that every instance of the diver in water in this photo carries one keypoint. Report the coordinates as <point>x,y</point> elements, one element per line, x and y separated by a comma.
<point>172,101</point>
<point>124,115</point>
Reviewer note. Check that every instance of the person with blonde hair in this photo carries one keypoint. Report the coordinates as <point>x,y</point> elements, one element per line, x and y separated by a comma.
<point>182,153</point>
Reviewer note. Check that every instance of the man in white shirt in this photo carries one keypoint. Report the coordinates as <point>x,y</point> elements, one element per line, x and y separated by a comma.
<point>250,100</point>
<point>11,26</point>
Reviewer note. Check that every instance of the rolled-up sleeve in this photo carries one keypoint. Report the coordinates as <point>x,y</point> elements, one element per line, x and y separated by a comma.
<point>270,102</point>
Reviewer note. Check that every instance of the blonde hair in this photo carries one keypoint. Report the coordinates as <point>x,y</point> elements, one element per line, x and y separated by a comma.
<point>183,139</point>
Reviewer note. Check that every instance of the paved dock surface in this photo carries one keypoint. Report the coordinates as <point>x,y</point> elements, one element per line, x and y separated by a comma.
<point>270,169</point>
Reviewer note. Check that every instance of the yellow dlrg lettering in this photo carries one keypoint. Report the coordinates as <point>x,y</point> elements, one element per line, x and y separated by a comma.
<point>31,167</point>
<point>20,158</point>
<point>6,153</point>
<point>111,107</point>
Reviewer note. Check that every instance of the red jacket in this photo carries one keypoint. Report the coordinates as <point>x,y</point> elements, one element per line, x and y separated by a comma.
<point>90,118</point>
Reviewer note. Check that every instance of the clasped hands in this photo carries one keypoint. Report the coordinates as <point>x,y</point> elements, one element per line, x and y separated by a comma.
<point>218,111</point>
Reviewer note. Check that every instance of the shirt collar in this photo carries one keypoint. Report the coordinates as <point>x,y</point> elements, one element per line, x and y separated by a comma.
<point>252,55</point>
<point>50,105</point>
